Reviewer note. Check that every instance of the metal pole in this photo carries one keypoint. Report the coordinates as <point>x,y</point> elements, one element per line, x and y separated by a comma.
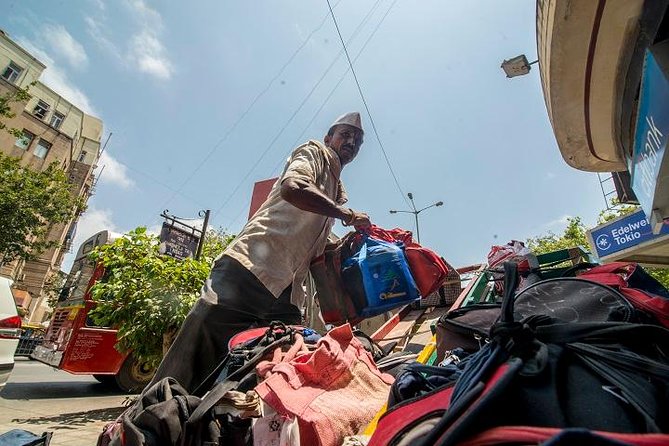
<point>417,230</point>
<point>204,232</point>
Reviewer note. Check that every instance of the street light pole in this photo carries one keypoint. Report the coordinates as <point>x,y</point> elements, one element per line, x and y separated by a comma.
<point>415,212</point>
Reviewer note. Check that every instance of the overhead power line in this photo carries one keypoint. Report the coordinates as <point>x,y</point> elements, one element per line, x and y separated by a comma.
<point>294,114</point>
<point>245,112</point>
<point>325,101</point>
<point>369,113</point>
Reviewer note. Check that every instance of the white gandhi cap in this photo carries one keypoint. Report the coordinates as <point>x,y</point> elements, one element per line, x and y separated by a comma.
<point>352,119</point>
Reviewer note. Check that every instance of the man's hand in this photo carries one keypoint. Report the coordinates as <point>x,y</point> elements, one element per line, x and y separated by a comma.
<point>359,220</point>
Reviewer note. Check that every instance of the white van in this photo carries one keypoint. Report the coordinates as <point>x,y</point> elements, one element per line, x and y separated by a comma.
<point>10,329</point>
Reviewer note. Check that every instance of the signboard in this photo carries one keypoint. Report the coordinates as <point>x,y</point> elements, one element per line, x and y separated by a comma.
<point>652,132</point>
<point>261,190</point>
<point>624,233</point>
<point>177,243</point>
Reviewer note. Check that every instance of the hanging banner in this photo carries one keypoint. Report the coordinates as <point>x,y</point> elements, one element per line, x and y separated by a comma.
<point>177,243</point>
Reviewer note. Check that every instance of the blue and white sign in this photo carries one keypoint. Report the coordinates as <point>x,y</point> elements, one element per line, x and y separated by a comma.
<point>652,132</point>
<point>624,233</point>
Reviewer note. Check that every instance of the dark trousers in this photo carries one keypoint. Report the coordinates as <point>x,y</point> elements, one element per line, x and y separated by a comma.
<point>232,300</point>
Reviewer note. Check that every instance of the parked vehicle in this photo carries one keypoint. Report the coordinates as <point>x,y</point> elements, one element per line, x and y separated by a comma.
<point>74,343</point>
<point>10,329</point>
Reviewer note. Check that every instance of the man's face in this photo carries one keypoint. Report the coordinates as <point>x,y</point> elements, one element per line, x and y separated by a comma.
<point>345,141</point>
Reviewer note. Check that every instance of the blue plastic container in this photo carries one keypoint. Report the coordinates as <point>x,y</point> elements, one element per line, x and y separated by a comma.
<point>378,278</point>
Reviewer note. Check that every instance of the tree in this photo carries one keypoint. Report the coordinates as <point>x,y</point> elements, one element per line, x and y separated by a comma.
<point>6,101</point>
<point>30,202</point>
<point>573,235</point>
<point>147,295</point>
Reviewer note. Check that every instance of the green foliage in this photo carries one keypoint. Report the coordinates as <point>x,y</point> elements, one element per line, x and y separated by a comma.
<point>573,235</point>
<point>6,101</point>
<point>147,295</point>
<point>616,210</point>
<point>31,201</point>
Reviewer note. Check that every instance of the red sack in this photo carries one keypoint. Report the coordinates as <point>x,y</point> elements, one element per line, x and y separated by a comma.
<point>514,251</point>
<point>427,268</point>
<point>641,289</point>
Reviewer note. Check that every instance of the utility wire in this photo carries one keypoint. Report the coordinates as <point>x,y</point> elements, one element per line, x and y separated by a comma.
<point>165,185</point>
<point>341,80</point>
<point>325,101</point>
<point>362,96</point>
<point>290,119</point>
<point>246,111</point>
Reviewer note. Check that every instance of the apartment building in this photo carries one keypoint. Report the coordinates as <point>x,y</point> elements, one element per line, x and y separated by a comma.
<point>54,130</point>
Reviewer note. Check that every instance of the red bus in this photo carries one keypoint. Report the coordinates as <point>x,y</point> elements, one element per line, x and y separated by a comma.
<point>74,343</point>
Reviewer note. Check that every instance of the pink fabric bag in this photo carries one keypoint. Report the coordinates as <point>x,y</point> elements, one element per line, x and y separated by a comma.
<point>333,391</point>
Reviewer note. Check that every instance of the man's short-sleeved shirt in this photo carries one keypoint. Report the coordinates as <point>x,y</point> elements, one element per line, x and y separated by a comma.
<point>279,241</point>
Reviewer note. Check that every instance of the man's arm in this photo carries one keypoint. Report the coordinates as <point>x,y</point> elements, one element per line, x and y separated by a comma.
<point>304,195</point>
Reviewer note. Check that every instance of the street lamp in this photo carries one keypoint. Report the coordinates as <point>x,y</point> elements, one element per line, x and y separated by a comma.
<point>517,66</point>
<point>415,212</point>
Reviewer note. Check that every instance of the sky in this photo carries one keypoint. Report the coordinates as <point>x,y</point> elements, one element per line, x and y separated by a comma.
<point>205,98</point>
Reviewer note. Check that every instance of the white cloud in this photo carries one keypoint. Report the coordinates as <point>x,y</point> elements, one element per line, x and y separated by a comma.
<point>56,78</point>
<point>145,51</point>
<point>145,48</point>
<point>154,229</point>
<point>150,55</point>
<point>145,14</point>
<point>558,223</point>
<point>97,32</point>
<point>91,222</point>
<point>63,44</point>
<point>550,176</point>
<point>99,4</point>
<point>114,171</point>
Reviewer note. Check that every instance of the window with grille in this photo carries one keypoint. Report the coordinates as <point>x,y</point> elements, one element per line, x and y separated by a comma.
<point>23,141</point>
<point>41,109</point>
<point>82,156</point>
<point>57,120</point>
<point>42,149</point>
<point>12,72</point>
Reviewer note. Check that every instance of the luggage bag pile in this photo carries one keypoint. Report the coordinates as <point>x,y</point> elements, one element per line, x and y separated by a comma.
<point>564,360</point>
<point>571,360</point>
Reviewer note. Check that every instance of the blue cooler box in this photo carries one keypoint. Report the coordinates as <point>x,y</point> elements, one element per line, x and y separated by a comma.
<point>377,277</point>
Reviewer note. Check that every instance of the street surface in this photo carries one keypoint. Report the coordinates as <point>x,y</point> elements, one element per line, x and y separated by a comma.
<point>38,398</point>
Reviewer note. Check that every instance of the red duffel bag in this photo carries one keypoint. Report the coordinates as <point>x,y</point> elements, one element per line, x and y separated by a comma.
<point>427,268</point>
<point>643,291</point>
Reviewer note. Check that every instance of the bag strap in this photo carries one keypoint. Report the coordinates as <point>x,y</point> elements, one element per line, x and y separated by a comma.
<point>219,390</point>
<point>619,368</point>
<point>510,286</point>
<point>572,270</point>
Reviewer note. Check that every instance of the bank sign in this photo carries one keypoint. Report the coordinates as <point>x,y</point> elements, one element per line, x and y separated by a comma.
<point>624,233</point>
<point>652,130</point>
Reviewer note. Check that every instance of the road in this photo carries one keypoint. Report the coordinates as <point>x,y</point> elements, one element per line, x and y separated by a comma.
<point>38,398</point>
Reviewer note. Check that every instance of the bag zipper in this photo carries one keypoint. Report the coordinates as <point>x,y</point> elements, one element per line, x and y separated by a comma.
<point>478,334</point>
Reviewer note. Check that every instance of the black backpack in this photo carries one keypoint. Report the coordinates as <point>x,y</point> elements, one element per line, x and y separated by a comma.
<point>541,379</point>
